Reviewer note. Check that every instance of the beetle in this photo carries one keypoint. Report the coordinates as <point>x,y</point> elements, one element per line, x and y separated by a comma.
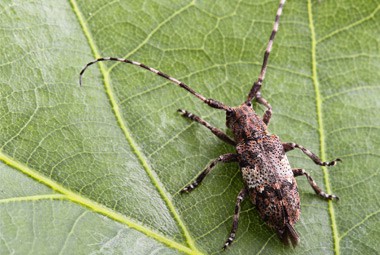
<point>269,181</point>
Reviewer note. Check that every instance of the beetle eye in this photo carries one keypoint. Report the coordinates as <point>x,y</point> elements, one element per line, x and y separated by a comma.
<point>229,113</point>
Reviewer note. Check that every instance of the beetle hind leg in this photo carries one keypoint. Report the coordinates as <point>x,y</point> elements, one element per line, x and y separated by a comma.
<point>232,234</point>
<point>318,190</point>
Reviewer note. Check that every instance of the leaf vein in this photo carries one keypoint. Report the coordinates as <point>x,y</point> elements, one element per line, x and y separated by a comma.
<point>33,198</point>
<point>315,81</point>
<point>371,16</point>
<point>72,231</point>
<point>359,223</point>
<point>94,206</point>
<point>116,110</point>
<point>175,14</point>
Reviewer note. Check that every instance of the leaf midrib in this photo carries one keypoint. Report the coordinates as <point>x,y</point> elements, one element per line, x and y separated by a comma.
<point>322,144</point>
<point>86,202</point>
<point>134,147</point>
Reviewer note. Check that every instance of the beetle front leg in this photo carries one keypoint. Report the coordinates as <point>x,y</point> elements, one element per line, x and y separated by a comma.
<point>318,190</point>
<point>216,131</point>
<point>318,161</point>
<point>235,223</point>
<point>268,112</point>
<point>225,158</point>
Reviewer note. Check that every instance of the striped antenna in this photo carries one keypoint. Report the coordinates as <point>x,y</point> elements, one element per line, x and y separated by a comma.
<point>257,84</point>
<point>211,102</point>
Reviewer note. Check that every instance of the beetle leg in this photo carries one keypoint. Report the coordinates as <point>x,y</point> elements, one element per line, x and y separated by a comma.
<point>216,131</point>
<point>318,190</point>
<point>235,223</point>
<point>268,112</point>
<point>225,158</point>
<point>318,161</point>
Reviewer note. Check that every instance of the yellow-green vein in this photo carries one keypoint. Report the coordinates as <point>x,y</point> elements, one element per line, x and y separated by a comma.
<point>318,99</point>
<point>133,145</point>
<point>33,198</point>
<point>94,206</point>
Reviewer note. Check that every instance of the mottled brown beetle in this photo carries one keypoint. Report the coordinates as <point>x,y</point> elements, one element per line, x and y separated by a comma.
<point>268,178</point>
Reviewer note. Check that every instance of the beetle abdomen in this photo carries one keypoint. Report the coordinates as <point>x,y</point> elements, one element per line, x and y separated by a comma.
<point>272,187</point>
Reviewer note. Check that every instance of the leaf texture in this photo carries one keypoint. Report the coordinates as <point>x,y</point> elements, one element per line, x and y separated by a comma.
<point>97,169</point>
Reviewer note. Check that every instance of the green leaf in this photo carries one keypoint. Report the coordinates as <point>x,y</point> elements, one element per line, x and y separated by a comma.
<point>98,168</point>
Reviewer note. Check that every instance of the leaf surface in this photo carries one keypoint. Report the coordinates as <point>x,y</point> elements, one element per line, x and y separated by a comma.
<point>98,169</point>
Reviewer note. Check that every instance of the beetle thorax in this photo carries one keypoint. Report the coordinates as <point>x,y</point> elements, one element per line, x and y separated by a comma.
<point>245,124</point>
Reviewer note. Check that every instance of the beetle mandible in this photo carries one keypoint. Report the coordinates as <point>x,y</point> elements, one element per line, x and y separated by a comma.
<point>269,181</point>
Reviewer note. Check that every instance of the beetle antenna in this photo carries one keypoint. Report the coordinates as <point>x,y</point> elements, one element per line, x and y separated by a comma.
<point>257,84</point>
<point>211,102</point>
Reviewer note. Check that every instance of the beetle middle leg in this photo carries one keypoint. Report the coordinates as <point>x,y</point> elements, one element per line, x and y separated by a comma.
<point>318,190</point>
<point>318,161</point>
<point>225,158</point>
<point>216,131</point>
<point>235,223</point>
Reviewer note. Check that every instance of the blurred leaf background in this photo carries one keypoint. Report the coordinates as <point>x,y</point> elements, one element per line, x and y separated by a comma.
<point>97,169</point>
